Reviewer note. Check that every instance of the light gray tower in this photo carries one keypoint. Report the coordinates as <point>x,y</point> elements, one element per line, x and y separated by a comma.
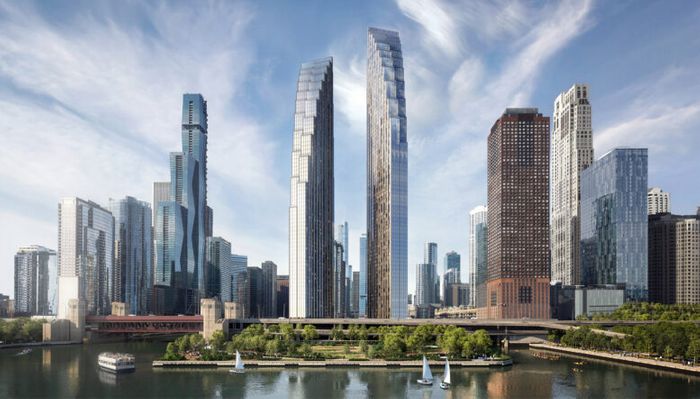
<point>33,283</point>
<point>341,235</point>
<point>572,152</point>
<point>85,256</point>
<point>387,178</point>
<point>132,275</point>
<point>311,200</point>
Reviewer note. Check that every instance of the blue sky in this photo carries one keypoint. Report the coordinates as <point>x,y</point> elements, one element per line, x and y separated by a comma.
<point>90,94</point>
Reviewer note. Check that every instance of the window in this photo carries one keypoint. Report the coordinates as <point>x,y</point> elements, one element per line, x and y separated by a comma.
<point>525,295</point>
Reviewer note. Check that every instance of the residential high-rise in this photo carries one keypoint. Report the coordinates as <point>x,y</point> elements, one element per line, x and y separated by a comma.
<point>658,201</point>
<point>161,193</point>
<point>518,215</point>
<point>85,256</point>
<point>341,235</point>
<point>311,200</point>
<point>282,296</point>
<point>269,289</point>
<point>425,284</point>
<point>614,221</point>
<point>450,279</point>
<point>33,266</point>
<point>387,178</point>
<point>240,283</point>
<point>219,270</point>
<point>355,294</point>
<point>363,275</point>
<point>674,261</point>
<point>132,275</point>
<point>430,256</point>
<point>453,261</point>
<point>477,216</point>
<point>348,289</point>
<point>481,265</point>
<point>572,152</point>
<point>170,258</point>
<point>339,274</point>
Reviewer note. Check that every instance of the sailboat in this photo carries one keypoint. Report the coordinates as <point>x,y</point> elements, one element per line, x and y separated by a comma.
<point>446,379</point>
<point>238,368</point>
<point>427,375</point>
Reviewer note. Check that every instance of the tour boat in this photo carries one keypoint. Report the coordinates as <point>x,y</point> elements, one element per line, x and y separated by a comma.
<point>238,368</point>
<point>116,362</point>
<point>427,375</point>
<point>446,380</point>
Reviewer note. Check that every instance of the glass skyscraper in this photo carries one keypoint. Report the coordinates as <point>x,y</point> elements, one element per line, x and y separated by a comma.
<point>85,256</point>
<point>614,221</point>
<point>33,283</point>
<point>311,200</point>
<point>387,178</point>
<point>362,312</point>
<point>132,275</point>
<point>477,221</point>
<point>239,283</point>
<point>170,258</point>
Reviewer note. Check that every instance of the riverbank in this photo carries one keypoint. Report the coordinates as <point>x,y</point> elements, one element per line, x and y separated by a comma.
<point>341,363</point>
<point>617,357</point>
<point>37,344</point>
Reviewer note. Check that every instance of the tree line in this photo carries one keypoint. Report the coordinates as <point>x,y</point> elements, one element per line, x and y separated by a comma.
<point>21,330</point>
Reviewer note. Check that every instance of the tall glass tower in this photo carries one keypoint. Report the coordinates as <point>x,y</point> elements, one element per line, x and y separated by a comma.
<point>362,311</point>
<point>387,178</point>
<point>311,200</point>
<point>132,275</point>
<point>614,221</point>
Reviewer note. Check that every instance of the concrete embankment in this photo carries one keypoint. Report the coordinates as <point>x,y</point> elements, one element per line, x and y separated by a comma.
<point>330,363</point>
<point>618,357</point>
<point>37,344</point>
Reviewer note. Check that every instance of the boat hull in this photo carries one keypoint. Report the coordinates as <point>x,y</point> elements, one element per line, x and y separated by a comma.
<point>444,385</point>
<point>236,371</point>
<point>425,382</point>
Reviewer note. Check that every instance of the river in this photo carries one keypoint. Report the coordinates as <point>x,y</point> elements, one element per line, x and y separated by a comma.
<point>71,371</point>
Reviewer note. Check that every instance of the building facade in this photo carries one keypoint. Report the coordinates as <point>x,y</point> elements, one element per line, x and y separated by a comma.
<point>269,289</point>
<point>362,312</point>
<point>132,277</point>
<point>614,225</point>
<point>572,152</point>
<point>658,201</point>
<point>169,289</point>
<point>34,267</point>
<point>219,270</point>
<point>339,277</point>
<point>85,256</point>
<point>311,203</point>
<point>240,283</point>
<point>387,178</point>
<point>477,220</point>
<point>425,284</point>
<point>518,215</point>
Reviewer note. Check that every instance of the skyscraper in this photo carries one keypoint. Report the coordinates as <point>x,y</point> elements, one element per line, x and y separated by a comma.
<point>255,288</point>
<point>355,294</point>
<point>614,221</point>
<point>240,282</point>
<point>362,311</point>
<point>430,256</point>
<point>425,284</point>
<point>219,270</point>
<point>481,259</point>
<point>572,152</point>
<point>85,256</point>
<point>311,200</point>
<point>269,289</point>
<point>339,274</point>
<point>33,266</point>
<point>453,261</point>
<point>477,221</point>
<point>132,275</point>
<point>161,192</point>
<point>282,296</point>
<point>341,235</point>
<point>518,215</point>
<point>170,258</point>
<point>658,201</point>
<point>387,178</point>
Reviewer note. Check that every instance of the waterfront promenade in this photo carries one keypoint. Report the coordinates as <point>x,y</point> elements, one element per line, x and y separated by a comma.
<point>618,357</point>
<point>331,363</point>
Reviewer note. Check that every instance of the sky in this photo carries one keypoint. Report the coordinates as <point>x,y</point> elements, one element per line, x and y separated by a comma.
<point>90,97</point>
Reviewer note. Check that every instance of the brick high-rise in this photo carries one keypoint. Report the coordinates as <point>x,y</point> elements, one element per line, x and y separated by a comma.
<point>518,215</point>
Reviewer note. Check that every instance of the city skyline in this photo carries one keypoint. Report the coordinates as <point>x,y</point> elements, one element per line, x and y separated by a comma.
<point>241,195</point>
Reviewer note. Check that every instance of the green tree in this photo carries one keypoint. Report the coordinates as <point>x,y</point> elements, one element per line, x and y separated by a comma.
<point>273,347</point>
<point>394,345</point>
<point>362,334</point>
<point>306,350</point>
<point>337,333</point>
<point>482,342</point>
<point>452,340</point>
<point>693,351</point>
<point>309,333</point>
<point>217,341</point>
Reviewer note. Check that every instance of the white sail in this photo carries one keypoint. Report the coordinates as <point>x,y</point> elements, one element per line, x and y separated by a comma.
<point>239,362</point>
<point>446,378</point>
<point>427,375</point>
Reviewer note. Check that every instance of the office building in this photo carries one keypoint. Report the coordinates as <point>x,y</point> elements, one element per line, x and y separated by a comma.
<point>425,284</point>
<point>311,203</point>
<point>339,304</point>
<point>282,296</point>
<point>132,275</point>
<point>430,256</point>
<point>572,301</point>
<point>161,193</point>
<point>518,216</point>
<point>169,290</point>
<point>219,270</point>
<point>341,235</point>
<point>674,262</point>
<point>387,178</point>
<point>362,311</point>
<point>453,261</point>
<point>572,152</point>
<point>658,201</point>
<point>240,283</point>
<point>614,222</point>
<point>477,224</point>
<point>85,256</point>
<point>355,294</point>
<point>34,266</point>
<point>255,290</point>
<point>457,295</point>
<point>269,289</point>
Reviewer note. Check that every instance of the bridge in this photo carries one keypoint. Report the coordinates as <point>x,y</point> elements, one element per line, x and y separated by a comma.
<point>144,324</point>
